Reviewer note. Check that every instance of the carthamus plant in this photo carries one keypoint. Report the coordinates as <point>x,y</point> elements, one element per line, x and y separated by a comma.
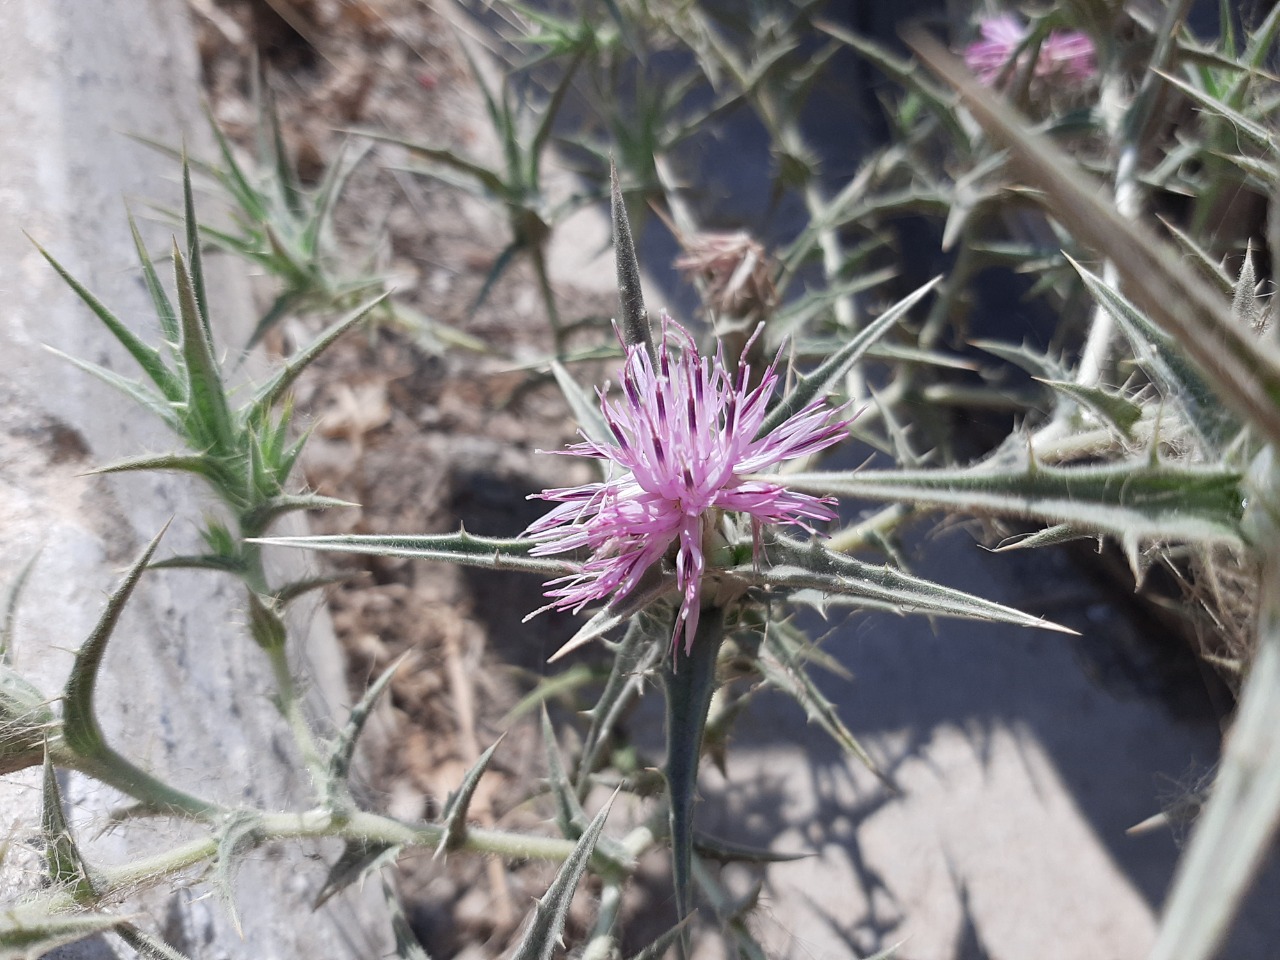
<point>677,545</point>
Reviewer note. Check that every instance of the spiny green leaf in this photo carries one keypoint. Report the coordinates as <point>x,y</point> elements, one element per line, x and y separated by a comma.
<point>274,389</point>
<point>1261,45</point>
<point>905,73</point>
<point>26,722</point>
<point>1048,537</point>
<point>1208,266</point>
<point>80,723</point>
<point>209,423</point>
<point>1244,298</point>
<point>1111,408</point>
<point>814,304</point>
<point>345,744</point>
<point>231,175</point>
<point>488,552</point>
<point>1150,502</point>
<point>454,815</point>
<point>220,563</point>
<point>266,625</point>
<point>358,860</point>
<point>288,300</point>
<point>145,398</point>
<point>1261,173</point>
<point>67,868</point>
<point>500,265</point>
<point>1039,365</point>
<point>1167,365</point>
<point>195,257</point>
<point>269,130</point>
<point>159,298</point>
<point>1253,131</point>
<point>557,686</point>
<point>489,179</point>
<point>547,927</point>
<point>331,187</point>
<point>148,357</point>
<point>570,817</point>
<point>658,949</point>
<point>262,516</point>
<point>9,607</point>
<point>292,591</point>
<point>184,462</point>
<point>843,580</point>
<point>834,368</point>
<point>550,110</point>
<point>407,945</point>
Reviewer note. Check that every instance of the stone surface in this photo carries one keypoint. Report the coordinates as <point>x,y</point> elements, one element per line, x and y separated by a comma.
<point>184,689</point>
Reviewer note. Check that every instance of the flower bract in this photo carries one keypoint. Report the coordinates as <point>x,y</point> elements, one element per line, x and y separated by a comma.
<point>685,437</point>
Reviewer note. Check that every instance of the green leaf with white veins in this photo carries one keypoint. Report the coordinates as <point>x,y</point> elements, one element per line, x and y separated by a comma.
<point>490,553</point>
<point>841,580</point>
<point>1133,502</point>
<point>1167,365</point>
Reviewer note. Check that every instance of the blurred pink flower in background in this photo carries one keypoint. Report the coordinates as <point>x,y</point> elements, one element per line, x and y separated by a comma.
<point>684,436</point>
<point>1064,54</point>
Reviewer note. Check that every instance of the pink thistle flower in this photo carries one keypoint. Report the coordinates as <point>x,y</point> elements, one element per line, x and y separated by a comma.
<point>1068,54</point>
<point>684,439</point>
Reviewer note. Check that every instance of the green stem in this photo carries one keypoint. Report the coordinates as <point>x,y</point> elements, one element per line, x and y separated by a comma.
<point>690,684</point>
<point>313,824</point>
<point>154,795</point>
<point>602,945</point>
<point>290,705</point>
<point>539,257</point>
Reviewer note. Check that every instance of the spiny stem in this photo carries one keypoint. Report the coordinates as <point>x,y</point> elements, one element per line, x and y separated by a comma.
<point>290,705</point>
<point>153,794</point>
<point>369,828</point>
<point>539,257</point>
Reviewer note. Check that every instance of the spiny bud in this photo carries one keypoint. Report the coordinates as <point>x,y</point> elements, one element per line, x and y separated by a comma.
<point>25,722</point>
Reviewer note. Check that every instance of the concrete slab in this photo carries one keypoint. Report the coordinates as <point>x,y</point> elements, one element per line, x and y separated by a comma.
<point>185,690</point>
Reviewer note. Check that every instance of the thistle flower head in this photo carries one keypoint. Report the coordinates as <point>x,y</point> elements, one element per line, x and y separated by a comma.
<point>684,440</point>
<point>1064,54</point>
